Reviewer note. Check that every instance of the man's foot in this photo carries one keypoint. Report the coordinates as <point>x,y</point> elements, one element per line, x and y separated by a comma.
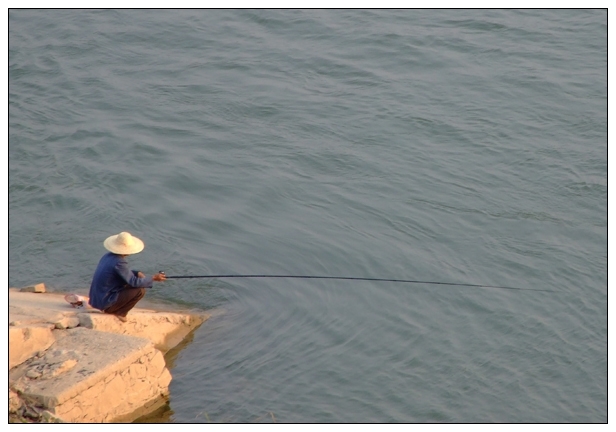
<point>121,318</point>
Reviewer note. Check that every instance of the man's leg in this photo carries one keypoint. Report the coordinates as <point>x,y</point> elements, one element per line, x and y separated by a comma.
<point>127,300</point>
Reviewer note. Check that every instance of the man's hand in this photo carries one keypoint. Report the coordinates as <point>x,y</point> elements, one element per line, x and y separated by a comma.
<point>159,277</point>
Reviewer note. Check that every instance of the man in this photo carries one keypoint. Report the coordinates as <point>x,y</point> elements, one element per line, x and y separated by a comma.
<point>116,289</point>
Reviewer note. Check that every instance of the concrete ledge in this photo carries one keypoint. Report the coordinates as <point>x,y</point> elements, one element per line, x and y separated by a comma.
<point>78,380</point>
<point>81,365</point>
<point>164,329</point>
<point>25,341</point>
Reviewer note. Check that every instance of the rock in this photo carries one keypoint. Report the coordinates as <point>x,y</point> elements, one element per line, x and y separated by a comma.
<point>38,288</point>
<point>48,417</point>
<point>67,322</point>
<point>33,374</point>
<point>30,412</point>
<point>15,402</point>
<point>60,368</point>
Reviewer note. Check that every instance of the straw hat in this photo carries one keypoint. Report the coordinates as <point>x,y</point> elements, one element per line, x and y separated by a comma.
<point>123,244</point>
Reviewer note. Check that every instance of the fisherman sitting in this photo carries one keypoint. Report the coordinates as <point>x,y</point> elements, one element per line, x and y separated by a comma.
<point>116,289</point>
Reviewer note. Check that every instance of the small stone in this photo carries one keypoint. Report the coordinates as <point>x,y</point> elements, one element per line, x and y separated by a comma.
<point>60,368</point>
<point>67,323</point>
<point>38,288</point>
<point>33,374</point>
<point>30,412</point>
<point>14,402</point>
<point>50,418</point>
<point>19,387</point>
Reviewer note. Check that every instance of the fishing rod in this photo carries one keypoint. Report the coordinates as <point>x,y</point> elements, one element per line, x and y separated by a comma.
<point>350,278</point>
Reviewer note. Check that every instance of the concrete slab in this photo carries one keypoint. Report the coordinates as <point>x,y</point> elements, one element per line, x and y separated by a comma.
<point>164,329</point>
<point>79,380</point>
<point>27,340</point>
<point>84,366</point>
<point>43,306</point>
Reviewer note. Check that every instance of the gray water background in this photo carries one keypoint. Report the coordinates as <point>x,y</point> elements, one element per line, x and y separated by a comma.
<point>459,146</point>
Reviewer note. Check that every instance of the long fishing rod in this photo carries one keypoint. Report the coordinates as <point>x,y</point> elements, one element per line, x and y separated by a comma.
<point>351,278</point>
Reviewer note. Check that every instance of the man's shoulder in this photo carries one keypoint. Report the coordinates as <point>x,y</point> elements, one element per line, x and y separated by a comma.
<point>110,257</point>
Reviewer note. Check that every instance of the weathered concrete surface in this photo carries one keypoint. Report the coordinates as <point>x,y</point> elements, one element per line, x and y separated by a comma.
<point>37,308</point>
<point>26,340</point>
<point>34,310</point>
<point>78,381</point>
<point>80,365</point>
<point>164,329</point>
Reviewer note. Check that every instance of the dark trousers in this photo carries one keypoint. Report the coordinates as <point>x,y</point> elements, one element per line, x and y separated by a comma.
<point>127,300</point>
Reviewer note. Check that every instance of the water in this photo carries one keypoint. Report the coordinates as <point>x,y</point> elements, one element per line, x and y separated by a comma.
<point>459,146</point>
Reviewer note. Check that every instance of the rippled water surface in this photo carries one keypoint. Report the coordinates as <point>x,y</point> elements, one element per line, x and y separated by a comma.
<point>457,146</point>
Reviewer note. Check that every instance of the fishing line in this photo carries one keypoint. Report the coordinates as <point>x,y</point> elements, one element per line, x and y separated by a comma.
<point>353,279</point>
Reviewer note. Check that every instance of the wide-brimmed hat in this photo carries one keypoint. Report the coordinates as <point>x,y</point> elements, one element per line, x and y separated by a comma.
<point>123,244</point>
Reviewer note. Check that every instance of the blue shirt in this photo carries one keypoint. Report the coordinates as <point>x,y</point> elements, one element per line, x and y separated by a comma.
<point>111,276</point>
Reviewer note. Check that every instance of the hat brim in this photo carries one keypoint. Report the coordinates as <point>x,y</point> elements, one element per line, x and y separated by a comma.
<point>112,245</point>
